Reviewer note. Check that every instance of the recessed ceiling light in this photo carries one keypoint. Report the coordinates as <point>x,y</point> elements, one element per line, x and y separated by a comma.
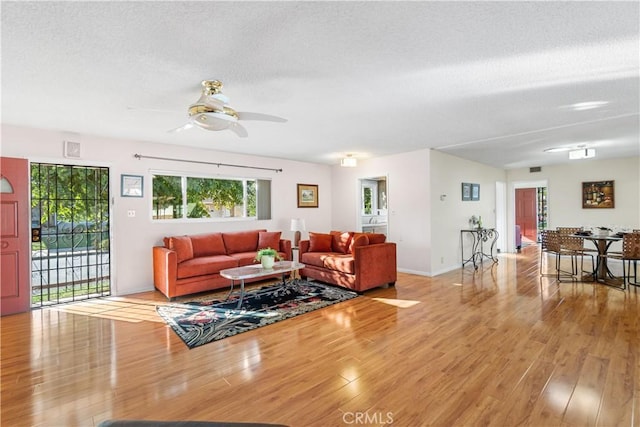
<point>556,149</point>
<point>589,105</point>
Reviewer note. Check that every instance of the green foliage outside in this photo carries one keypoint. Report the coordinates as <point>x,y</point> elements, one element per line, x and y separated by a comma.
<point>72,193</point>
<point>203,196</point>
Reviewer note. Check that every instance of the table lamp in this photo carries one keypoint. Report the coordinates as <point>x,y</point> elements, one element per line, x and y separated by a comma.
<point>297,225</point>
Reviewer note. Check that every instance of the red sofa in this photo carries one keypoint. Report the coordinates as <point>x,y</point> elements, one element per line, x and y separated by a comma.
<point>358,261</point>
<point>190,264</point>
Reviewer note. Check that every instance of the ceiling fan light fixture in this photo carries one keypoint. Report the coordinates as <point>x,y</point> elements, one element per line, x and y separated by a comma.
<point>586,153</point>
<point>349,161</point>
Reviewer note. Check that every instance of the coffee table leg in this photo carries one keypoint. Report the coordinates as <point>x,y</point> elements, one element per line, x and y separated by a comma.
<point>241,294</point>
<point>230,290</point>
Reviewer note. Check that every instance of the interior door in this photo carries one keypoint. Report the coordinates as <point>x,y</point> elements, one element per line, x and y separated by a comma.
<point>14,236</point>
<point>526,212</point>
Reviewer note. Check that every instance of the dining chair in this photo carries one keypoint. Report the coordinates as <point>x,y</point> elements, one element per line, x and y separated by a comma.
<point>554,247</point>
<point>630,256</point>
<point>544,250</point>
<point>574,247</point>
<point>568,230</point>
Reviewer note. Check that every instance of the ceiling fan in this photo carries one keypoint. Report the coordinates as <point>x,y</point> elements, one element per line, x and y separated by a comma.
<point>213,112</point>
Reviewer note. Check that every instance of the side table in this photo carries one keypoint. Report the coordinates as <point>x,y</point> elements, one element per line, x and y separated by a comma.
<point>480,236</point>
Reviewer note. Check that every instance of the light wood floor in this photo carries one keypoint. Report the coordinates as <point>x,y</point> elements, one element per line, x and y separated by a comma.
<point>499,347</point>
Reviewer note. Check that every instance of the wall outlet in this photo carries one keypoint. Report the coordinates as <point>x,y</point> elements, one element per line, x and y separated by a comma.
<point>131,213</point>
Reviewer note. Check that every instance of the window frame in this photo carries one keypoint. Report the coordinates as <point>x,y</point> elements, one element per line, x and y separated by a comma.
<point>184,187</point>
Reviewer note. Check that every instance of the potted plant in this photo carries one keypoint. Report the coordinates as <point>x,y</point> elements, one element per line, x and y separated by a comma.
<point>267,257</point>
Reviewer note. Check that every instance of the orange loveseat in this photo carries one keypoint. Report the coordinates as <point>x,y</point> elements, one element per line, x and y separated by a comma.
<point>358,261</point>
<point>190,264</point>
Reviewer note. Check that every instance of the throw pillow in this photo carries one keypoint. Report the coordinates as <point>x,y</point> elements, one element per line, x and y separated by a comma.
<point>207,244</point>
<point>341,241</point>
<point>376,238</point>
<point>182,246</point>
<point>319,242</point>
<point>359,239</point>
<point>269,239</point>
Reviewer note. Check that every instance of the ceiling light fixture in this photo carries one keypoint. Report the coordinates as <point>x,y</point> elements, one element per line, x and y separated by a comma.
<point>349,161</point>
<point>590,105</point>
<point>586,153</point>
<point>556,149</point>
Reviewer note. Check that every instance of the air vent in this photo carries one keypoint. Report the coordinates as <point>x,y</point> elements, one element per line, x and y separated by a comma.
<point>535,169</point>
<point>72,150</point>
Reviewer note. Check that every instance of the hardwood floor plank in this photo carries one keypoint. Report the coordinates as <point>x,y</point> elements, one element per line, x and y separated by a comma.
<point>500,346</point>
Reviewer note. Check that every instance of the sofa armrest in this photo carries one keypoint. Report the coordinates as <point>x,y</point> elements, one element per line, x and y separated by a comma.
<point>165,270</point>
<point>375,265</point>
<point>285,246</point>
<point>303,246</point>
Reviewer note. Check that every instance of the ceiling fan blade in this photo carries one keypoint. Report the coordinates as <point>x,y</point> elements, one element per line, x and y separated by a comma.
<point>238,129</point>
<point>181,128</point>
<point>259,116</point>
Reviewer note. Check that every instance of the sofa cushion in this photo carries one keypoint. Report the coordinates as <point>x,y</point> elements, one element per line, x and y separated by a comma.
<point>244,258</point>
<point>359,239</point>
<point>205,265</point>
<point>375,238</point>
<point>269,239</point>
<point>314,258</point>
<point>319,242</point>
<point>207,244</point>
<point>342,263</point>
<point>241,241</point>
<point>182,247</point>
<point>340,241</point>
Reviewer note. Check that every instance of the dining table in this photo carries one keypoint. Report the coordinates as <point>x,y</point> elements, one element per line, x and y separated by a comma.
<point>602,243</point>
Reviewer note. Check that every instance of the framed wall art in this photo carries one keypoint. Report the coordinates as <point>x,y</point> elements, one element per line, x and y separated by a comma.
<point>307,196</point>
<point>131,185</point>
<point>466,191</point>
<point>475,191</point>
<point>598,195</point>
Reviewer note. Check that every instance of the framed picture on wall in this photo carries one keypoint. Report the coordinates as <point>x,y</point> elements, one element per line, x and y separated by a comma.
<point>598,195</point>
<point>466,191</point>
<point>131,185</point>
<point>475,191</point>
<point>307,196</point>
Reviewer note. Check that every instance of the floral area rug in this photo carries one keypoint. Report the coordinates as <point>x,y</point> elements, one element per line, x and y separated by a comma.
<point>204,321</point>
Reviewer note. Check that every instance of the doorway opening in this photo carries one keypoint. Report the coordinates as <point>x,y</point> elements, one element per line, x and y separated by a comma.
<point>530,213</point>
<point>70,248</point>
<point>373,205</point>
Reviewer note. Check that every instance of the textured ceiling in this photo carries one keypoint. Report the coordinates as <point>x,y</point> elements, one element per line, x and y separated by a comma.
<point>495,82</point>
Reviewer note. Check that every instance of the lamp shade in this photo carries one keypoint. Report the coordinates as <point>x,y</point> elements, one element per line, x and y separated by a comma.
<point>297,224</point>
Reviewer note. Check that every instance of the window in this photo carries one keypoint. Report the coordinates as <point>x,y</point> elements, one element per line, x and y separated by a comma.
<point>369,197</point>
<point>179,197</point>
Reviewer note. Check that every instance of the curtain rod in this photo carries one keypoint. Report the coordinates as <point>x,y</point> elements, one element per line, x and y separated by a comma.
<point>140,157</point>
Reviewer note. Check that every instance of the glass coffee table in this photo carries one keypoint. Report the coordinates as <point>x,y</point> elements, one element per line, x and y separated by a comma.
<point>255,271</point>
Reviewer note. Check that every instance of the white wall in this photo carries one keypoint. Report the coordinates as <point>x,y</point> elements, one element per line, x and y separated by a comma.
<point>452,214</point>
<point>133,237</point>
<point>408,202</point>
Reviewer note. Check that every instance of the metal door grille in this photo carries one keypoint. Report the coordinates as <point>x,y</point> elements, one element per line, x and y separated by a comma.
<point>70,258</point>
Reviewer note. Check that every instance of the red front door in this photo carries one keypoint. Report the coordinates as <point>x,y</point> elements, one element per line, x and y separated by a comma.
<point>526,212</point>
<point>14,236</point>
